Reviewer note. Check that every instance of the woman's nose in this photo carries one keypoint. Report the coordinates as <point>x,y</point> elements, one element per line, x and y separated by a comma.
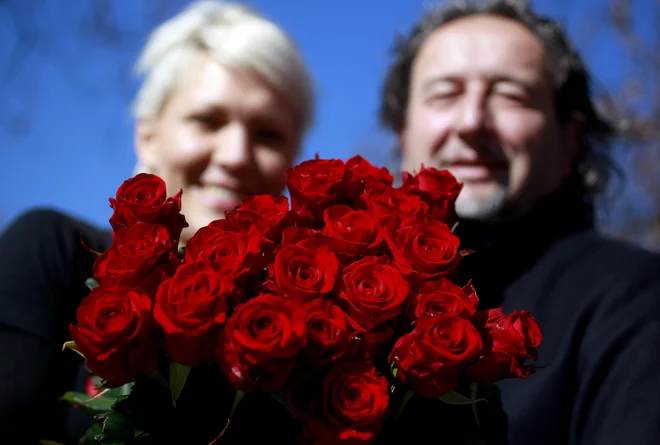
<point>232,148</point>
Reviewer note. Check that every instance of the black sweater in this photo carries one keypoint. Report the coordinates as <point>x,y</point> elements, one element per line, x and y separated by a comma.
<point>597,302</point>
<point>598,305</point>
<point>43,267</point>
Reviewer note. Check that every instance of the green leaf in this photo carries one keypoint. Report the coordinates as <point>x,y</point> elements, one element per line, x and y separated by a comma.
<point>91,405</point>
<point>474,392</point>
<point>98,382</point>
<point>112,391</point>
<point>178,376</point>
<point>393,370</point>
<point>238,396</point>
<point>115,392</point>
<point>402,404</point>
<point>117,428</point>
<point>134,418</point>
<point>109,390</point>
<point>157,376</point>
<point>454,398</point>
<point>280,396</point>
<point>182,252</point>
<point>119,424</point>
<point>90,437</point>
<point>91,283</point>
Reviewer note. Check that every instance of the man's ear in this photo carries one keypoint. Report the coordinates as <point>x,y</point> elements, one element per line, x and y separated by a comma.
<point>145,143</point>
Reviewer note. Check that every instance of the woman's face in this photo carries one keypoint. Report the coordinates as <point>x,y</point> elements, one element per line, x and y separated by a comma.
<point>221,135</point>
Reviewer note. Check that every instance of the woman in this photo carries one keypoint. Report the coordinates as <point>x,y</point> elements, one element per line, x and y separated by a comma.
<point>223,108</point>
<point>222,113</point>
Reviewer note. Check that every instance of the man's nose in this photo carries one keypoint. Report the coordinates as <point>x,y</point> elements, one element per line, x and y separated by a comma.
<point>471,116</point>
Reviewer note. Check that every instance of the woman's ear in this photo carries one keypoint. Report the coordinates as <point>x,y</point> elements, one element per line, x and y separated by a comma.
<point>145,142</point>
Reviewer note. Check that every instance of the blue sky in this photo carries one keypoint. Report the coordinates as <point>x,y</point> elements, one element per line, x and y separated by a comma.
<point>65,129</point>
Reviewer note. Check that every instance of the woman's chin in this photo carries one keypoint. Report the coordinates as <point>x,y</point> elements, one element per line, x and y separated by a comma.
<point>200,215</point>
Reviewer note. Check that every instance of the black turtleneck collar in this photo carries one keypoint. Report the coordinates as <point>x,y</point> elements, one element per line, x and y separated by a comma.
<point>505,247</point>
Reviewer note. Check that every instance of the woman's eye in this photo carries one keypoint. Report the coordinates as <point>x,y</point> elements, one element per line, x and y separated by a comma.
<point>205,121</point>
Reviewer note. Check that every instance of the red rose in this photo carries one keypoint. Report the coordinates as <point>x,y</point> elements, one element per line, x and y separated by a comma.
<point>142,257</point>
<point>365,174</point>
<point>428,358</point>
<point>190,308</point>
<point>527,326</point>
<point>328,332</point>
<point>442,297</point>
<point>426,250</point>
<point>373,292</point>
<point>259,345</point>
<point>507,342</point>
<point>438,188</point>
<point>315,185</point>
<point>304,268</point>
<point>233,253</point>
<point>393,208</point>
<point>351,408</point>
<point>352,233</point>
<point>271,215</point>
<point>143,198</point>
<point>115,333</point>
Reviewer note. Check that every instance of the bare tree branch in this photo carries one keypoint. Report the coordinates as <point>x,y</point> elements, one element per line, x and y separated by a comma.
<point>639,101</point>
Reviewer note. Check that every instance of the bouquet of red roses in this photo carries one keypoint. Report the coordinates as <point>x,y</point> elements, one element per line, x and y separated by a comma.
<point>330,303</point>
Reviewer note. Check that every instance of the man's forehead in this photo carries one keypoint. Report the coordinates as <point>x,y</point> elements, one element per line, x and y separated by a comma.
<point>483,45</point>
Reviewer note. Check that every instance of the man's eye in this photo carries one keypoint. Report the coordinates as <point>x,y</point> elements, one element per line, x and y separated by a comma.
<point>271,136</point>
<point>511,96</point>
<point>442,96</point>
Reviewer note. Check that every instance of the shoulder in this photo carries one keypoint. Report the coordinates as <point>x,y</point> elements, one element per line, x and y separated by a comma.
<point>586,274</point>
<point>48,249</point>
<point>48,227</point>
<point>594,243</point>
<point>43,267</point>
<point>48,219</point>
<point>594,255</point>
<point>593,294</point>
<point>610,276</point>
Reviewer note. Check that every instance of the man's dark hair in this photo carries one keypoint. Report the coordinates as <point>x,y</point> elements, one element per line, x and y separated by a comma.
<point>572,82</point>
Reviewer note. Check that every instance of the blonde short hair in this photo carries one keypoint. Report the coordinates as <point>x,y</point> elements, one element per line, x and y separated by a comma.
<point>234,35</point>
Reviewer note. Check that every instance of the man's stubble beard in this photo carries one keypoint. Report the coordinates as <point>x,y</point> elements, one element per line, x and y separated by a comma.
<point>483,209</point>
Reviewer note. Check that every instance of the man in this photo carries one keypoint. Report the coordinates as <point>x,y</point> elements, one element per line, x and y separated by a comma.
<point>497,95</point>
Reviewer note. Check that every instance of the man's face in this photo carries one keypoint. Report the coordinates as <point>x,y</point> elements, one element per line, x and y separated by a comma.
<point>481,105</point>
